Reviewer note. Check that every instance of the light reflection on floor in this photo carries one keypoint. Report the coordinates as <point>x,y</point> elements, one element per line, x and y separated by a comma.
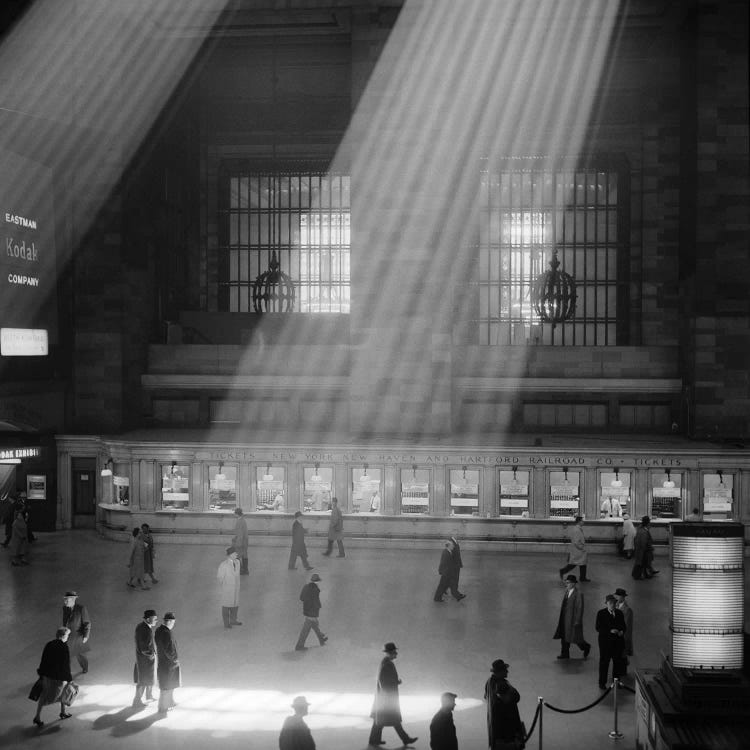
<point>247,710</point>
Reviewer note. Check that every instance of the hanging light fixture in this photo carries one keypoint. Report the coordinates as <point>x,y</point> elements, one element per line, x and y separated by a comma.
<point>220,476</point>
<point>315,477</point>
<point>616,482</point>
<point>554,294</point>
<point>273,290</point>
<point>107,470</point>
<point>668,482</point>
<point>268,477</point>
<point>364,477</point>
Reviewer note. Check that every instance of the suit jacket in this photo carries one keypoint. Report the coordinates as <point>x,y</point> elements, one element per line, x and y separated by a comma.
<point>79,622</point>
<point>168,669</point>
<point>386,709</point>
<point>144,672</point>
<point>605,622</point>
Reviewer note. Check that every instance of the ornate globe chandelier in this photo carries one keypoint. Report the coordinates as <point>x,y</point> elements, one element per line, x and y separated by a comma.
<point>554,294</point>
<point>273,290</point>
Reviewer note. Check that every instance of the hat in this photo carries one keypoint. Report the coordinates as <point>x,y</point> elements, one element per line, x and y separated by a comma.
<point>169,616</point>
<point>645,521</point>
<point>297,513</point>
<point>300,700</point>
<point>70,593</point>
<point>570,577</point>
<point>149,613</point>
<point>621,592</point>
<point>610,598</point>
<point>230,550</point>
<point>315,577</point>
<point>498,665</point>
<point>579,518</point>
<point>238,511</point>
<point>390,646</point>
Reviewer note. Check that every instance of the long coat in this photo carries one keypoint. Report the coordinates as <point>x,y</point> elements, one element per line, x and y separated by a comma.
<point>386,709</point>
<point>144,672</point>
<point>79,622</point>
<point>298,538</point>
<point>644,547</point>
<point>168,669</point>
<point>228,576</point>
<point>577,552</point>
<point>19,539</point>
<point>627,614</point>
<point>503,720</point>
<point>628,535</point>
<point>295,735</point>
<point>240,539</point>
<point>447,564</point>
<point>148,553</point>
<point>310,598</point>
<point>336,524</point>
<point>137,557</point>
<point>55,662</point>
<point>570,624</point>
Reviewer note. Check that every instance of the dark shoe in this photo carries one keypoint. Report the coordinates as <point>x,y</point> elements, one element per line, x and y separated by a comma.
<point>309,567</point>
<point>654,572</point>
<point>26,562</point>
<point>460,596</point>
<point>410,741</point>
<point>441,600</point>
<point>154,580</point>
<point>236,622</point>
<point>340,555</point>
<point>586,650</point>
<point>36,721</point>
<point>138,704</point>
<point>85,671</point>
<point>65,715</point>
<point>300,648</point>
<point>130,585</point>
<point>564,656</point>
<point>326,554</point>
<point>323,640</point>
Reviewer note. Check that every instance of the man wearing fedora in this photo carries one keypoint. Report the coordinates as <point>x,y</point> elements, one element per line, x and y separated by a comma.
<point>168,668</point>
<point>228,576</point>
<point>299,548</point>
<point>570,625</point>
<point>76,618</point>
<point>386,709</point>
<point>144,672</point>
<point>295,734</point>
<point>627,614</point>
<point>504,726</point>
<point>310,598</point>
<point>610,625</point>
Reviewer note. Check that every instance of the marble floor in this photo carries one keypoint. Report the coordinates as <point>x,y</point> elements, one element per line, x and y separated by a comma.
<point>238,683</point>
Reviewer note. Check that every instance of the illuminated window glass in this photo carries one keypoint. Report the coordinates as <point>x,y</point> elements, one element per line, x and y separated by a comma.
<point>367,490</point>
<point>565,494</point>
<point>528,211</point>
<point>717,496</point>
<point>614,494</point>
<point>175,487</point>
<point>514,493</point>
<point>271,490</point>
<point>415,491</point>
<point>318,489</point>
<point>222,487</point>
<point>464,492</point>
<point>666,495</point>
<point>301,216</point>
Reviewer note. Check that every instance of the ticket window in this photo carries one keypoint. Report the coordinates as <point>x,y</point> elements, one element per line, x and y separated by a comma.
<point>666,495</point>
<point>271,490</point>
<point>222,487</point>
<point>366,486</point>
<point>565,494</point>
<point>318,488</point>
<point>718,492</point>
<point>415,491</point>
<point>122,490</point>
<point>175,486</point>
<point>514,493</point>
<point>464,492</point>
<point>614,494</point>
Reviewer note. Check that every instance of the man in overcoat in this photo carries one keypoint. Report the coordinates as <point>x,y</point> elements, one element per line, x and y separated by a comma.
<point>240,541</point>
<point>310,598</point>
<point>442,727</point>
<point>144,672</point>
<point>577,554</point>
<point>228,577</point>
<point>168,665</point>
<point>335,529</point>
<point>458,563</point>
<point>643,556</point>
<point>446,571</point>
<point>503,720</point>
<point>627,614</point>
<point>76,618</point>
<point>295,734</point>
<point>299,548</point>
<point>386,709</point>
<point>610,625</point>
<point>570,625</point>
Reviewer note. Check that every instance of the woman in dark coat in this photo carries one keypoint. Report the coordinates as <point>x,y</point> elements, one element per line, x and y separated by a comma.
<point>54,671</point>
<point>19,541</point>
<point>503,721</point>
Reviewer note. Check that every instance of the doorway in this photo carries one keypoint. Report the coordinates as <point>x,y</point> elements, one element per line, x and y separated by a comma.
<point>84,493</point>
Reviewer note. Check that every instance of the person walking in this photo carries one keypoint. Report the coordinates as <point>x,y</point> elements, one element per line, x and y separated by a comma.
<point>168,664</point>
<point>240,541</point>
<point>76,618</point>
<point>299,548</point>
<point>310,598</point>
<point>149,553</point>
<point>610,625</point>
<point>570,624</point>
<point>457,565</point>
<point>643,556</point>
<point>295,734</point>
<point>627,614</point>
<point>7,514</point>
<point>137,562</point>
<point>442,727</point>
<point>386,708</point>
<point>228,576</point>
<point>628,536</point>
<point>19,540</point>
<point>144,672</point>
<point>54,671</point>
<point>445,569</point>
<point>577,555</point>
<point>335,529</point>
<point>504,727</point>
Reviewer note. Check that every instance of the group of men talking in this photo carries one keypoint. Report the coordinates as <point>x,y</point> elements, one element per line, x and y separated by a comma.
<point>156,660</point>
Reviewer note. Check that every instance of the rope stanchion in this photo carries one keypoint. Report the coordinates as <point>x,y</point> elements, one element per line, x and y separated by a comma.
<point>537,716</point>
<point>615,734</point>
<point>579,710</point>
